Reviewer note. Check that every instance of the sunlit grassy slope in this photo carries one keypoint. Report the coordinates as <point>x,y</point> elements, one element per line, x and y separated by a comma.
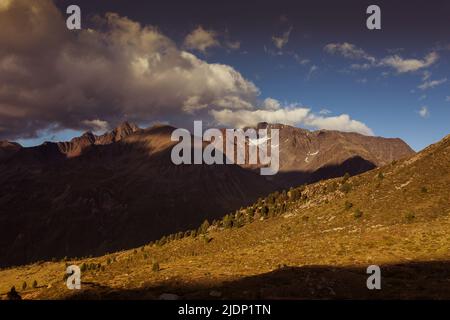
<point>311,242</point>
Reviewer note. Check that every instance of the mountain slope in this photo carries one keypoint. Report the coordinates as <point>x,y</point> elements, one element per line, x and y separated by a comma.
<point>109,197</point>
<point>314,242</point>
<point>97,194</point>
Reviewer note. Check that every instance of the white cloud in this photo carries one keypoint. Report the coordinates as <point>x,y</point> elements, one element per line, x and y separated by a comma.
<point>424,112</point>
<point>363,66</point>
<point>325,112</point>
<point>312,69</point>
<point>422,97</point>
<point>97,125</point>
<point>426,75</point>
<point>282,40</point>
<point>233,45</point>
<point>431,84</point>
<point>300,60</point>
<point>348,50</point>
<point>122,70</point>
<point>201,39</point>
<point>342,122</point>
<point>271,104</point>
<point>290,115</point>
<point>362,80</point>
<point>408,65</point>
<point>396,62</point>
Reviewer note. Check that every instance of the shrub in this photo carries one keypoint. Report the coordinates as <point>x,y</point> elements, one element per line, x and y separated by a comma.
<point>83,267</point>
<point>380,176</point>
<point>332,186</point>
<point>35,284</point>
<point>24,285</point>
<point>358,214</point>
<point>410,216</point>
<point>207,239</point>
<point>108,261</point>
<point>346,187</point>
<point>424,190</point>
<point>348,205</point>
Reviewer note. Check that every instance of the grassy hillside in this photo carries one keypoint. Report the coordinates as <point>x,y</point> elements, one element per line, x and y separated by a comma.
<point>310,242</point>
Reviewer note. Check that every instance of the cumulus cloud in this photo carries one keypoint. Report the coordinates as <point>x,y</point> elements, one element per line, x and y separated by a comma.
<point>52,76</point>
<point>431,84</point>
<point>291,115</point>
<point>271,104</point>
<point>201,39</point>
<point>342,122</point>
<point>281,41</point>
<point>396,62</point>
<point>424,112</point>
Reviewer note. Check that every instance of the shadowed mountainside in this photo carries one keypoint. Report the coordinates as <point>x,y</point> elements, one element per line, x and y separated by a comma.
<point>98,194</point>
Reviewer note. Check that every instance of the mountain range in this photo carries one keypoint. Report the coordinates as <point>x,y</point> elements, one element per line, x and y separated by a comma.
<point>102,193</point>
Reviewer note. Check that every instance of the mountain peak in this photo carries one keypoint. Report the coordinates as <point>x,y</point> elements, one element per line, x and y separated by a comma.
<point>124,129</point>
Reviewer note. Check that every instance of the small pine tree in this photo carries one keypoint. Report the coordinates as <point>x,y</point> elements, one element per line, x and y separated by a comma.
<point>227,221</point>
<point>83,267</point>
<point>380,176</point>
<point>35,284</point>
<point>24,285</point>
<point>345,177</point>
<point>204,227</point>
<point>155,266</point>
<point>358,214</point>
<point>13,295</point>
<point>108,261</point>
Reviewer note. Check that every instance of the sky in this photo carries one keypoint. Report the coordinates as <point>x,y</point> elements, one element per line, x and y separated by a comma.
<point>232,63</point>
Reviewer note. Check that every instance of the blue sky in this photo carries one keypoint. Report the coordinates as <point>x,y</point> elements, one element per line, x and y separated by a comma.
<point>402,90</point>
